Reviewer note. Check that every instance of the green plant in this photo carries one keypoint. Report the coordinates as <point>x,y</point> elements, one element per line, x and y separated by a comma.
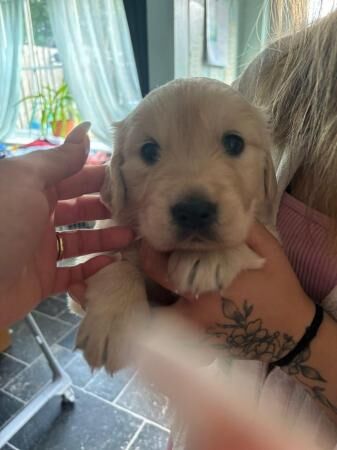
<point>54,105</point>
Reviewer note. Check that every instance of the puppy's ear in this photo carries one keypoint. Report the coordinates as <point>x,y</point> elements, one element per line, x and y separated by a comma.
<point>270,189</point>
<point>113,189</point>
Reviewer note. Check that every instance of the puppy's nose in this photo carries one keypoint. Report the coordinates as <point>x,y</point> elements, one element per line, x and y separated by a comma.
<point>194,214</point>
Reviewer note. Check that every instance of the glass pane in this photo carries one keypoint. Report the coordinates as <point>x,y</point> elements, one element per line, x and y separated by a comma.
<point>42,73</point>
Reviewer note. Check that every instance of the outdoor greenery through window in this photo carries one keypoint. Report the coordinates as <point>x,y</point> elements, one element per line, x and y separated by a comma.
<point>46,104</point>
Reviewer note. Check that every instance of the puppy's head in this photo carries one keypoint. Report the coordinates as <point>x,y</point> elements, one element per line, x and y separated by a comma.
<point>191,166</point>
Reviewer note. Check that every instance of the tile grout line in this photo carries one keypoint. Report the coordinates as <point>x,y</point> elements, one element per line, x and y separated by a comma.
<point>14,397</point>
<point>59,314</point>
<point>62,337</point>
<point>157,425</point>
<point>124,388</point>
<point>71,327</point>
<point>66,309</point>
<point>122,408</point>
<point>41,357</point>
<point>16,359</point>
<point>28,364</point>
<point>139,416</point>
<point>135,436</point>
<point>113,403</point>
<point>55,299</point>
<point>20,373</point>
<point>71,361</point>
<point>12,447</point>
<point>94,374</point>
<point>55,318</point>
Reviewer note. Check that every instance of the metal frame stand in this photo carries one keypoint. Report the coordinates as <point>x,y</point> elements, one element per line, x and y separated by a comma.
<point>59,385</point>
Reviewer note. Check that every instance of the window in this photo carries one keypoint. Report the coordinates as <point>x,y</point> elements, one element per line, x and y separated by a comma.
<point>41,65</point>
<point>320,8</point>
<point>245,24</point>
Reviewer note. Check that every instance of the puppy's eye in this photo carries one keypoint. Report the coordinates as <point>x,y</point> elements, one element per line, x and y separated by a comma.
<point>233,144</point>
<point>150,153</point>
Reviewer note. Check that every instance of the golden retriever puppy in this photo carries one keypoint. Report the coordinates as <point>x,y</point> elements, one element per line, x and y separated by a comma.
<point>190,172</point>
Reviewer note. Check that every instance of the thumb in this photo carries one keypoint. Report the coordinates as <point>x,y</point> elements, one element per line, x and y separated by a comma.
<point>66,160</point>
<point>261,240</point>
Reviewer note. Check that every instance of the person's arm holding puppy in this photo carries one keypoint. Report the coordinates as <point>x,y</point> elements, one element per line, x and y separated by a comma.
<point>262,316</point>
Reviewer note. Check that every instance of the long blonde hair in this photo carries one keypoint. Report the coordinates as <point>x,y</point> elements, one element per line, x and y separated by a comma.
<point>297,86</point>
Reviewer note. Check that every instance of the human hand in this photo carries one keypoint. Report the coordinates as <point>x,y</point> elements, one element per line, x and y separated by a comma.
<point>38,192</point>
<point>215,415</point>
<point>263,313</point>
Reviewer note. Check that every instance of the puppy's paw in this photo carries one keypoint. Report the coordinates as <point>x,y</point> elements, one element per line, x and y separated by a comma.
<point>99,337</point>
<point>105,338</point>
<point>194,272</point>
<point>116,309</point>
<point>200,272</point>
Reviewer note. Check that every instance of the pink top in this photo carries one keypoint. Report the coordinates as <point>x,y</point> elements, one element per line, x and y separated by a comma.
<point>304,233</point>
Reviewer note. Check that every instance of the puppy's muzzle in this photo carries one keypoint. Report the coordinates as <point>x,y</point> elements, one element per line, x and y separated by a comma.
<point>194,215</point>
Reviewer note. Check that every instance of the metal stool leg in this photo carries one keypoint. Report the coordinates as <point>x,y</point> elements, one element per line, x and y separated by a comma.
<point>60,385</point>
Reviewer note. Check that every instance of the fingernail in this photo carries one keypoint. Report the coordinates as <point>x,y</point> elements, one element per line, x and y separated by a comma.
<point>85,126</point>
<point>76,135</point>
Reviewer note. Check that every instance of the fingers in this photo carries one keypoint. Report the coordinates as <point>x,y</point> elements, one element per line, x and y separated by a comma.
<point>85,242</point>
<point>262,241</point>
<point>88,180</point>
<point>54,165</point>
<point>155,265</point>
<point>76,275</point>
<point>88,207</point>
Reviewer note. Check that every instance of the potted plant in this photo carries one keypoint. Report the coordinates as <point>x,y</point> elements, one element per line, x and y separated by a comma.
<point>57,109</point>
<point>64,112</point>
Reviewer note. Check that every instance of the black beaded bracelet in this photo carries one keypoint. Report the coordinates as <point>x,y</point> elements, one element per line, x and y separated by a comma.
<point>310,333</point>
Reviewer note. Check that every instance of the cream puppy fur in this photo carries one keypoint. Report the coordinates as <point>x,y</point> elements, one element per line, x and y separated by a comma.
<point>190,172</point>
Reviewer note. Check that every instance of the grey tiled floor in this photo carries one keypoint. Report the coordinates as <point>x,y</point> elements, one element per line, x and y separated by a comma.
<point>110,413</point>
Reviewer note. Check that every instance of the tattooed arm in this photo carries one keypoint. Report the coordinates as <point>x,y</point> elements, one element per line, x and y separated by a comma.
<point>262,316</point>
<point>316,367</point>
<point>244,335</point>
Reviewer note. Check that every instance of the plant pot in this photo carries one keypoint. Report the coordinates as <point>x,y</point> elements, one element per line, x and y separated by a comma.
<point>62,127</point>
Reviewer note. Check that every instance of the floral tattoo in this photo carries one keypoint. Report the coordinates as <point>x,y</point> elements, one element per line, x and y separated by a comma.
<point>246,337</point>
<point>299,369</point>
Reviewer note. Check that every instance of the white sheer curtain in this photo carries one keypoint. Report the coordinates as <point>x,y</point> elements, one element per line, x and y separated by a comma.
<point>94,42</point>
<point>11,39</point>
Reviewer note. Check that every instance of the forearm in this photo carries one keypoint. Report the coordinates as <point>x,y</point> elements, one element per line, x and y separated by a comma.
<point>239,329</point>
<point>268,327</point>
<point>316,367</point>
